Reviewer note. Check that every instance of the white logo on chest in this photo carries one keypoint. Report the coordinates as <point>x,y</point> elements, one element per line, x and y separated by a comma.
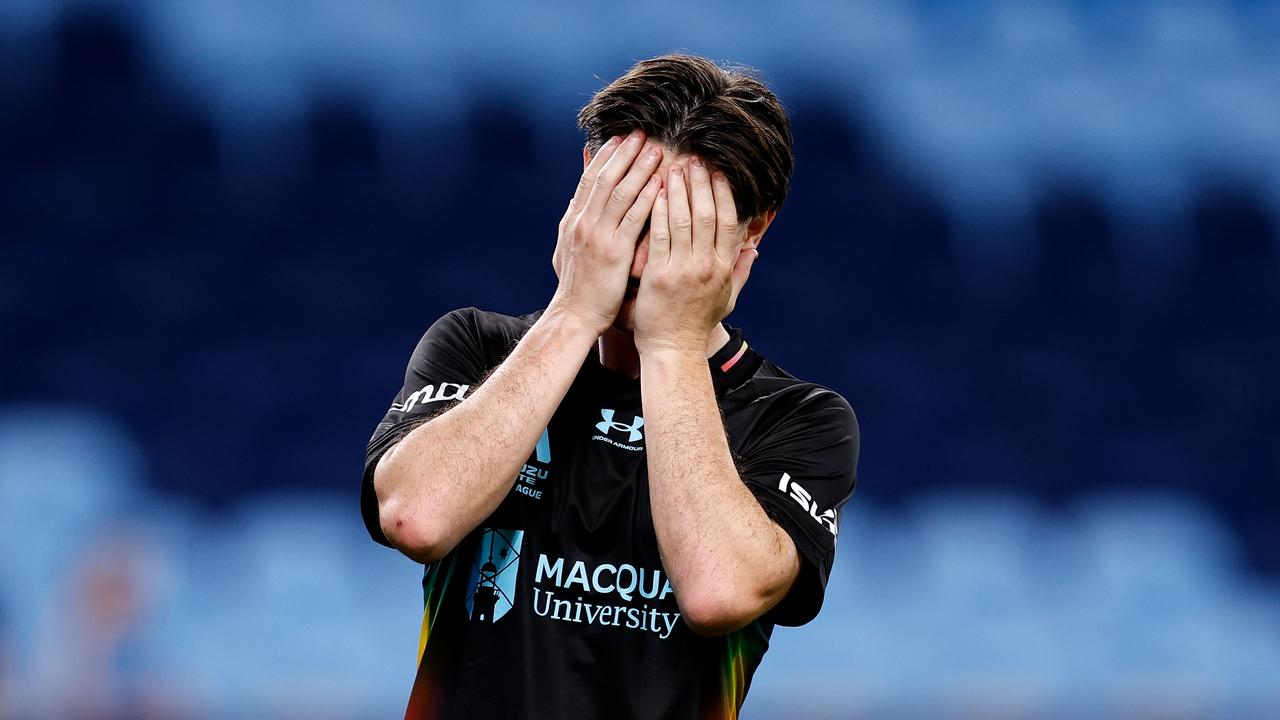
<point>609,425</point>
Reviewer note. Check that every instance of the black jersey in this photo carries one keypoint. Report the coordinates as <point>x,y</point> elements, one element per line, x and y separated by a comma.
<point>558,606</point>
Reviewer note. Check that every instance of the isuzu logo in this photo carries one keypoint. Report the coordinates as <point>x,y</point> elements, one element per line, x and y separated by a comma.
<point>825,518</point>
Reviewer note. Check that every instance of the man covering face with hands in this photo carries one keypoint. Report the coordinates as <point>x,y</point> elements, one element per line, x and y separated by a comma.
<point>616,498</point>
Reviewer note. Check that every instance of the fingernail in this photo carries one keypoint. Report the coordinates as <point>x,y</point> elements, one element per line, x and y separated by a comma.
<point>635,135</point>
<point>696,162</point>
<point>613,141</point>
<point>677,171</point>
<point>719,177</point>
<point>654,152</point>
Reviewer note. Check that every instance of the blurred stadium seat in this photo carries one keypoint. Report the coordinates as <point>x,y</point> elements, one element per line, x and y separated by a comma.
<point>1034,244</point>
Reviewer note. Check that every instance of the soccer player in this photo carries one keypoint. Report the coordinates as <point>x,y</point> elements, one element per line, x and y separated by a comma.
<point>616,498</point>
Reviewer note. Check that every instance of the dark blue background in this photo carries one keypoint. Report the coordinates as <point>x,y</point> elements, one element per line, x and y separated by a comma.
<point>252,331</point>
<point>1034,244</point>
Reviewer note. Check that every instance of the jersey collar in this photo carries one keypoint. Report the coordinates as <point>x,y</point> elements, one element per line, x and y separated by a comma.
<point>734,363</point>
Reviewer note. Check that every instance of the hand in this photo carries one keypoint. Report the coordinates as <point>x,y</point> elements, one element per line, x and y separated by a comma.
<point>696,265</point>
<point>601,228</point>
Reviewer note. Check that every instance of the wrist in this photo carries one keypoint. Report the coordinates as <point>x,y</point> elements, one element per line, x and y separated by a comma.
<point>576,319</point>
<point>672,349</point>
<point>575,325</point>
<point>673,367</point>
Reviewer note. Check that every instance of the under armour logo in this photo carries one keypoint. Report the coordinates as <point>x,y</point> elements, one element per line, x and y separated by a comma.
<point>608,424</point>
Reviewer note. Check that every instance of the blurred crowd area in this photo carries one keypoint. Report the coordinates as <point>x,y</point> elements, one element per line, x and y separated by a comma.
<point>124,603</point>
<point>1034,244</point>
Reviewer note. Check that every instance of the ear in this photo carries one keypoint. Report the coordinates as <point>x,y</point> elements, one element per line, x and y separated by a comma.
<point>756,228</point>
<point>586,157</point>
<point>747,255</point>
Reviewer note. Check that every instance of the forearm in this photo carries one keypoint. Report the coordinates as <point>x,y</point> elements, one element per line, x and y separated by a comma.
<point>728,561</point>
<point>443,478</point>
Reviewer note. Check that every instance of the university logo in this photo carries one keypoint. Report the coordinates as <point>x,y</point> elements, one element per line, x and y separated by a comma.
<point>543,449</point>
<point>607,423</point>
<point>493,574</point>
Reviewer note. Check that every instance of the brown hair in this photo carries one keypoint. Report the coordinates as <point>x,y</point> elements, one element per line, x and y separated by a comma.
<point>724,115</point>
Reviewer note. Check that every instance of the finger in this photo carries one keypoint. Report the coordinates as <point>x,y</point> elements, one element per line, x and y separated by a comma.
<point>633,221</point>
<point>628,189</point>
<point>741,271</point>
<point>679,221</point>
<point>612,172</point>
<point>728,238</point>
<point>742,268</point>
<point>702,208</point>
<point>659,233</point>
<point>593,168</point>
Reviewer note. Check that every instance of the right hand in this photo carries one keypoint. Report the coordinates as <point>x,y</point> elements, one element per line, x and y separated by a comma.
<point>601,228</point>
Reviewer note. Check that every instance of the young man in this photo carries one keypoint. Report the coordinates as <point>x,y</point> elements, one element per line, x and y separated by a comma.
<point>616,498</point>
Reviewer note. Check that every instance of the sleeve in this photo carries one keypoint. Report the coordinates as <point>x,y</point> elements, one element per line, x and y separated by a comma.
<point>447,364</point>
<point>803,470</point>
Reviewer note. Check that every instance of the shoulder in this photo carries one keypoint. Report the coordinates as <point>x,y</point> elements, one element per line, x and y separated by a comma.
<point>780,395</point>
<point>776,416</point>
<point>488,322</point>
<point>481,329</point>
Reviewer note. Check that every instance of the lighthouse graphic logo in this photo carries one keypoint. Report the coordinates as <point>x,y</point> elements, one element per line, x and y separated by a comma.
<point>493,574</point>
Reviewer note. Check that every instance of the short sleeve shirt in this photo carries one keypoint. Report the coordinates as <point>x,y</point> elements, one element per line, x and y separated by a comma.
<point>557,605</point>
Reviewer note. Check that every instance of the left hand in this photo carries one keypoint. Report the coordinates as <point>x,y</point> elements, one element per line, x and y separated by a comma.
<point>696,265</point>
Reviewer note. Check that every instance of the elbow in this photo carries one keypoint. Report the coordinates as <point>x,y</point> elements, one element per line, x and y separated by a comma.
<point>711,609</point>
<point>408,529</point>
<point>711,612</point>
<point>411,533</point>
